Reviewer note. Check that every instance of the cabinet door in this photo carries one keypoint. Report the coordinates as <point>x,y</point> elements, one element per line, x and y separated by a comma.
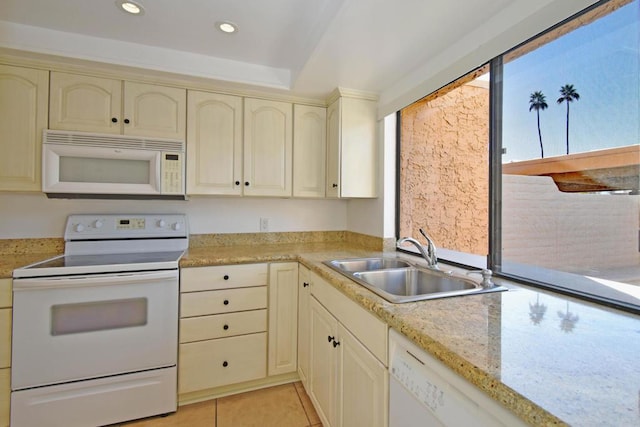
<point>214,144</point>
<point>309,150</point>
<point>23,116</point>
<point>363,385</point>
<point>283,318</point>
<point>304,285</point>
<point>268,146</point>
<point>85,103</point>
<point>156,111</point>
<point>333,149</point>
<point>323,366</point>
<point>5,396</point>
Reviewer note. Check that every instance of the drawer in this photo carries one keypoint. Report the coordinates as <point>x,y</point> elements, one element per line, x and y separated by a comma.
<point>222,325</point>
<point>223,277</point>
<point>224,301</point>
<point>5,337</point>
<point>214,363</point>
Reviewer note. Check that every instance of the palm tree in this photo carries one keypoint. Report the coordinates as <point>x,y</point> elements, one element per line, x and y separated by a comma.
<point>538,102</point>
<point>569,94</point>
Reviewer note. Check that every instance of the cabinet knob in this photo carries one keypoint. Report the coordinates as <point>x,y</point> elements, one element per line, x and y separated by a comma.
<point>114,120</point>
<point>336,343</point>
<point>225,327</point>
<point>225,364</point>
<point>126,121</point>
<point>226,277</point>
<point>329,338</point>
<point>225,302</point>
<point>237,182</point>
<point>305,284</point>
<point>335,185</point>
<point>246,183</point>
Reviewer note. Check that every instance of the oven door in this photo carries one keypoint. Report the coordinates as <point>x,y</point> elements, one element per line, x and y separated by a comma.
<point>78,327</point>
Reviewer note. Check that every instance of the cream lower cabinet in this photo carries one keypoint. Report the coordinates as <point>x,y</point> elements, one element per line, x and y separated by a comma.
<point>283,318</point>
<point>96,104</point>
<point>229,340</point>
<point>223,326</point>
<point>24,94</point>
<point>348,380</point>
<point>304,295</point>
<point>5,351</point>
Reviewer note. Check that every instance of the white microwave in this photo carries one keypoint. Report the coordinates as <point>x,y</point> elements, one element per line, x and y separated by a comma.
<point>89,165</point>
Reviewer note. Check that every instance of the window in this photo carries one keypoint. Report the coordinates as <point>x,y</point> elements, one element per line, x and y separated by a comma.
<point>562,208</point>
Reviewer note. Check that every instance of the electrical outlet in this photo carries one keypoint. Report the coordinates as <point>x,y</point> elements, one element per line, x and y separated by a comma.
<point>264,224</point>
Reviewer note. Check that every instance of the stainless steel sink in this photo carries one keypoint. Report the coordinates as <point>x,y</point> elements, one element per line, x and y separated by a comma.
<point>367,264</point>
<point>399,281</point>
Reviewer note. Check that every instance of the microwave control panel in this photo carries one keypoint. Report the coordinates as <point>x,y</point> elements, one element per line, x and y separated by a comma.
<point>172,172</point>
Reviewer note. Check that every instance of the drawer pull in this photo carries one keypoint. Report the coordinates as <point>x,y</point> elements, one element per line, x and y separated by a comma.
<point>226,277</point>
<point>225,364</point>
<point>226,302</point>
<point>225,327</point>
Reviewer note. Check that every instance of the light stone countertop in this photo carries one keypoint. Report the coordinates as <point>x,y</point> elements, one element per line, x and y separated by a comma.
<point>549,358</point>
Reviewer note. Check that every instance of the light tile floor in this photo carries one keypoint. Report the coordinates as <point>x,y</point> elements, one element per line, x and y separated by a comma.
<point>282,406</point>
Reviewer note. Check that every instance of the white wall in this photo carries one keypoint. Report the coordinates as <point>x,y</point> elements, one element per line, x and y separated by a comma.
<point>29,216</point>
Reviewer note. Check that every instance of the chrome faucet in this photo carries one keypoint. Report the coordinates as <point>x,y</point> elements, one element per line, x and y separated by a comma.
<point>428,254</point>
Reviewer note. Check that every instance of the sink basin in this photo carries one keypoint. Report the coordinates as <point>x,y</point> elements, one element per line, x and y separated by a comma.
<point>367,264</point>
<point>411,284</point>
<point>399,281</point>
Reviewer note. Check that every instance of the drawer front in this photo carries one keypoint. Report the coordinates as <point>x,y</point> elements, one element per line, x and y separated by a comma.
<point>223,277</point>
<point>225,301</point>
<point>214,363</point>
<point>222,325</point>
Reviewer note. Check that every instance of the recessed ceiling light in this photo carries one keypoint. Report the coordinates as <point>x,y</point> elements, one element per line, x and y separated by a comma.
<point>134,7</point>
<point>227,27</point>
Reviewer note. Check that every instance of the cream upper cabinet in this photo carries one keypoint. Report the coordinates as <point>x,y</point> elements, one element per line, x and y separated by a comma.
<point>309,150</point>
<point>214,144</point>
<point>95,104</point>
<point>23,116</point>
<point>268,148</point>
<point>283,318</point>
<point>352,148</point>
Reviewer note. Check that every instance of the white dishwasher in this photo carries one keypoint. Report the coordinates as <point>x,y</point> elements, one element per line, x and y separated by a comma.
<point>424,392</point>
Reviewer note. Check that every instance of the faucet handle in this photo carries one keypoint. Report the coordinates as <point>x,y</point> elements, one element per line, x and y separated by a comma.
<point>486,277</point>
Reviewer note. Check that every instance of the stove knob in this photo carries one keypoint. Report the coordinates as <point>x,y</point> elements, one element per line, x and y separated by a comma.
<point>79,228</point>
<point>177,226</point>
<point>98,223</point>
<point>162,223</point>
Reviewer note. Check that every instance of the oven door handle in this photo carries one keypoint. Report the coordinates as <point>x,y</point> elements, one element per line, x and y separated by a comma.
<point>90,281</point>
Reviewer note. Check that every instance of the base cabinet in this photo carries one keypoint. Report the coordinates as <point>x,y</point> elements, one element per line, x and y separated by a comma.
<point>347,383</point>
<point>304,295</point>
<point>5,351</point>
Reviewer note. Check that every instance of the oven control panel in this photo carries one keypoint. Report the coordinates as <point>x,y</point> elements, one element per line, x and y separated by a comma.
<point>125,226</point>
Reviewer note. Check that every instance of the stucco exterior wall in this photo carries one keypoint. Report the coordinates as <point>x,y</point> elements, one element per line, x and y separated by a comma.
<point>567,231</point>
<point>447,195</point>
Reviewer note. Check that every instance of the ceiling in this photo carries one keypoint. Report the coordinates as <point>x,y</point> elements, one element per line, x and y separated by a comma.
<point>306,47</point>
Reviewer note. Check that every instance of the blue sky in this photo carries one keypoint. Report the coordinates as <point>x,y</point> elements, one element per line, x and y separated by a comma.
<point>602,61</point>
